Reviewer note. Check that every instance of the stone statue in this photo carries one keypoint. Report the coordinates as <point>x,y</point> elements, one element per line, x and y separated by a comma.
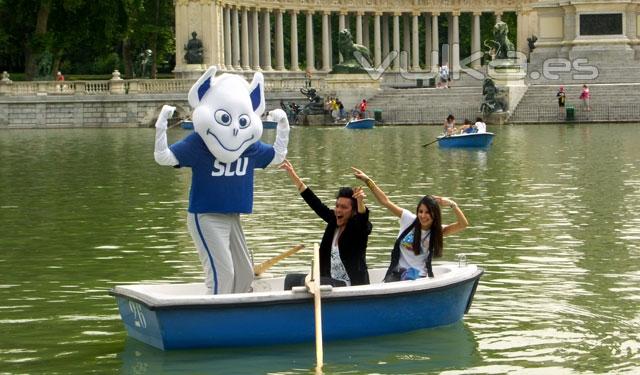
<point>352,54</point>
<point>194,50</point>
<point>494,99</point>
<point>531,41</point>
<point>316,103</point>
<point>501,46</point>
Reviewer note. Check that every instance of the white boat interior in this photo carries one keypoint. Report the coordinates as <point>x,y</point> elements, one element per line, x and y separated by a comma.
<point>269,288</point>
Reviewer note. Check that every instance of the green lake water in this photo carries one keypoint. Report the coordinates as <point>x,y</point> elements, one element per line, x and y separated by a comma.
<point>555,223</point>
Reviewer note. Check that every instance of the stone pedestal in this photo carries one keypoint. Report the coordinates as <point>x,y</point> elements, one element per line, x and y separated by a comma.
<point>315,120</point>
<point>496,118</point>
<point>351,88</point>
<point>509,77</point>
<point>189,71</point>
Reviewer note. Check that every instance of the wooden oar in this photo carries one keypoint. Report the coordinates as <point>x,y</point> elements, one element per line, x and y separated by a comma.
<point>313,285</point>
<point>262,267</point>
<point>432,142</point>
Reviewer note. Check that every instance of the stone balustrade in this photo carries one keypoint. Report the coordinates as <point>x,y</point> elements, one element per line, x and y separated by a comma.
<point>139,86</point>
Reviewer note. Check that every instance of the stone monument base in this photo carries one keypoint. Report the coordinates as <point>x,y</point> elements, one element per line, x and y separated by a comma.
<point>351,88</point>
<point>189,71</point>
<point>315,120</point>
<point>496,118</point>
<point>510,79</point>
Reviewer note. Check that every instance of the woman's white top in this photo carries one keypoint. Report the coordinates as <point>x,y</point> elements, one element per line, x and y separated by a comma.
<point>408,259</point>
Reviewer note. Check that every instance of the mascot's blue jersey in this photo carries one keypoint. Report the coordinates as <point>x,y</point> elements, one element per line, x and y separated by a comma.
<point>218,187</point>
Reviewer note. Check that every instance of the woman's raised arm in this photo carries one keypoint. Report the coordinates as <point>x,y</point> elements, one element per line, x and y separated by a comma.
<point>381,197</point>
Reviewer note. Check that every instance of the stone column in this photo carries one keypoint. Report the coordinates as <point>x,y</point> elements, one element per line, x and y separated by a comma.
<point>326,58</point>
<point>227,38</point>
<point>377,48</point>
<point>341,26</point>
<point>365,31</point>
<point>475,39</point>
<point>455,43</point>
<point>255,22</point>
<point>396,39</point>
<point>435,52</point>
<point>427,41</point>
<point>245,40</point>
<point>449,40</point>
<point>359,28</point>
<point>182,33</point>
<point>294,41</point>
<point>279,41</point>
<point>219,34</point>
<point>311,66</point>
<point>266,31</point>
<point>406,38</point>
<point>415,42</point>
<point>385,35</point>
<point>236,38</point>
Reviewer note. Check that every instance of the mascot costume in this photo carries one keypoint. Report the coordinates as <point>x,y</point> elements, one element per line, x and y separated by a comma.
<point>222,153</point>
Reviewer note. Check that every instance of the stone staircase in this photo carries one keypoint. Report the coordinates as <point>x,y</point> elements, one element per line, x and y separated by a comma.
<point>426,105</point>
<point>609,103</point>
<point>615,92</point>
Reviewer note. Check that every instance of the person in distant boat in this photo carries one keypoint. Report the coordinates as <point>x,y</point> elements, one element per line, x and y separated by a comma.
<point>344,244</point>
<point>450,125</point>
<point>466,127</point>
<point>480,126</point>
<point>363,108</point>
<point>420,235</point>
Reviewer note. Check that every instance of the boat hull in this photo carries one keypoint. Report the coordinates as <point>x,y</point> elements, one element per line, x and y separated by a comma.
<point>186,124</point>
<point>266,124</point>
<point>288,317</point>
<point>365,123</point>
<point>473,140</point>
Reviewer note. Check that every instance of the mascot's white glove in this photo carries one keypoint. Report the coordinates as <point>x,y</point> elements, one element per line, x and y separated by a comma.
<point>282,135</point>
<point>162,153</point>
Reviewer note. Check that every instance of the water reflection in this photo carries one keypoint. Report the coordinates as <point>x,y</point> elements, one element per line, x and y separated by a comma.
<point>425,351</point>
<point>554,213</point>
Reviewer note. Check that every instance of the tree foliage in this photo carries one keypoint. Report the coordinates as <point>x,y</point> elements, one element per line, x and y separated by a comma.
<point>84,36</point>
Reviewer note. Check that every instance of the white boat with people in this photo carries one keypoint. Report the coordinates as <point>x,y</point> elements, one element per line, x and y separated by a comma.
<point>177,316</point>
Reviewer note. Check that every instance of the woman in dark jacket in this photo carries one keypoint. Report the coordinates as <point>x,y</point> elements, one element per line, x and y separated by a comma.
<point>344,244</point>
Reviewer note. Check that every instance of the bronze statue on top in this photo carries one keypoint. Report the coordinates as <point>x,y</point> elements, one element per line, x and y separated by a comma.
<point>501,47</point>
<point>352,54</point>
<point>194,50</point>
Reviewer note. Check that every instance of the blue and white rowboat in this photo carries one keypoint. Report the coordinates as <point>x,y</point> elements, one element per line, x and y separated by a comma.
<point>176,316</point>
<point>186,124</point>
<point>466,140</point>
<point>267,124</point>
<point>365,123</point>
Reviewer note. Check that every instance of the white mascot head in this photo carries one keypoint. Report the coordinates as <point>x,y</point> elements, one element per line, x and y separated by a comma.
<point>226,112</point>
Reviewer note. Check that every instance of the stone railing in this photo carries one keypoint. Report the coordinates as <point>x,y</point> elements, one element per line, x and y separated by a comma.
<point>274,81</point>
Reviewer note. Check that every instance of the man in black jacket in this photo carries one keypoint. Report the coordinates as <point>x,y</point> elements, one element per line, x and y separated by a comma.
<point>344,244</point>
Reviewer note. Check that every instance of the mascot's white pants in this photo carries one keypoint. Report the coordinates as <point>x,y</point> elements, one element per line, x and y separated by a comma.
<point>223,252</point>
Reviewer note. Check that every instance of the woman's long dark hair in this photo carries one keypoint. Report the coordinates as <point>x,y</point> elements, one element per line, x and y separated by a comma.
<point>435,239</point>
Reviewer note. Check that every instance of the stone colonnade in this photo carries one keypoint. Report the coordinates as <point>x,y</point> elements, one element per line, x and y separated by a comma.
<point>238,36</point>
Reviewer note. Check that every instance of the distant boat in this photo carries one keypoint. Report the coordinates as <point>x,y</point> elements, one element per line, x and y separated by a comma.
<point>181,316</point>
<point>476,140</point>
<point>186,124</point>
<point>266,124</point>
<point>365,123</point>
